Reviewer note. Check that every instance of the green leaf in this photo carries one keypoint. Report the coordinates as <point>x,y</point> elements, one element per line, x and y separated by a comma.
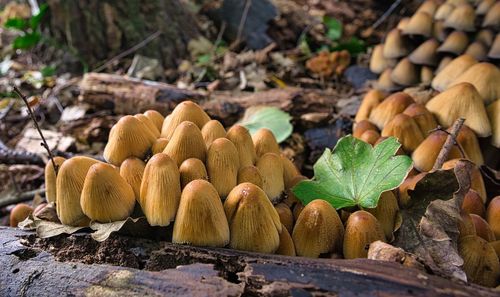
<point>204,60</point>
<point>36,19</point>
<point>334,28</point>
<point>16,23</point>
<point>355,173</point>
<point>48,71</point>
<point>26,41</point>
<point>271,118</point>
<point>354,46</point>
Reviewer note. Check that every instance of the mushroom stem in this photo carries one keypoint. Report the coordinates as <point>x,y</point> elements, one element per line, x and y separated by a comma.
<point>449,143</point>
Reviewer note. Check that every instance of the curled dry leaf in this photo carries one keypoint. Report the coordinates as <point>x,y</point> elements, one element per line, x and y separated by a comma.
<point>102,231</point>
<point>430,222</point>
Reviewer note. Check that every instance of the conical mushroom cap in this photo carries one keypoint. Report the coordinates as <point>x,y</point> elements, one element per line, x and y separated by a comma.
<point>484,6</point>
<point>361,229</point>
<point>389,108</point>
<point>192,169</point>
<point>361,127</point>
<point>254,223</point>
<point>493,216</point>
<point>420,24</point>
<point>222,165</point>
<point>243,142</point>
<point>286,215</point>
<point>426,75</point>
<point>477,50</point>
<point>250,174</point>
<point>385,82</point>
<point>201,220</point>
<point>386,213</point>
<point>468,141</point>
<point>426,153</point>
<point>19,213</point>
<point>494,52</point>
<point>184,111</point>
<point>439,31</point>
<point>318,230</point>
<point>395,45</point>
<point>403,23</point>
<point>466,226</point>
<point>480,260</point>
<point>462,18</point>
<point>155,117</point>
<point>485,77</point>
<point>482,227</point>
<point>494,116</point>
<point>69,186</point>
<point>132,170</point>
<point>486,37</point>
<point>455,43</point>
<point>186,142</point>
<point>265,142</point>
<point>370,137</point>
<point>423,117</point>
<point>159,146</point>
<point>290,171</point>
<point>379,63</point>
<point>147,121</point>
<point>286,247</point>
<point>211,131</point>
<point>106,196</point>
<point>405,73</point>
<point>160,190</point>
<point>461,101</point>
<point>473,204</point>
<point>429,7</point>
<point>370,101</point>
<point>50,179</point>
<point>406,130</point>
<point>271,169</point>
<point>128,138</point>
<point>477,182</point>
<point>492,18</point>
<point>442,64</point>
<point>443,11</point>
<point>452,71</point>
<point>425,54</point>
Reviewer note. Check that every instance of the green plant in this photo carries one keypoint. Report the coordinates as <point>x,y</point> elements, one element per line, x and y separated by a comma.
<point>334,32</point>
<point>355,173</point>
<point>30,31</point>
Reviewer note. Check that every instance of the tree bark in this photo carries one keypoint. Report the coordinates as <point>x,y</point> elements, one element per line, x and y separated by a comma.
<point>52,267</point>
<point>99,30</point>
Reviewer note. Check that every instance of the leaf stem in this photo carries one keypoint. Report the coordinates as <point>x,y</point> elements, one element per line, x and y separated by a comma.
<point>44,142</point>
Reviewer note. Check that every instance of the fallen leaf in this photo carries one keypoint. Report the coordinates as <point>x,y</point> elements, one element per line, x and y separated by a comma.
<point>272,118</point>
<point>104,230</point>
<point>46,229</point>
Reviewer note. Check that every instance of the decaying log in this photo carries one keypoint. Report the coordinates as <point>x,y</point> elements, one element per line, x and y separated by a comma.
<point>129,95</point>
<point>31,268</point>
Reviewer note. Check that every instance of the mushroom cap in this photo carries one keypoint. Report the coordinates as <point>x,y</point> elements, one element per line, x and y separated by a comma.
<point>19,213</point>
<point>482,227</point>
<point>494,115</point>
<point>69,186</point>
<point>290,171</point>
<point>442,64</point>
<point>132,170</point>
<point>50,178</point>
<point>149,123</point>
<point>484,6</point>
<point>370,136</point>
<point>425,54</point>
<point>451,71</point>
<point>363,126</point>
<point>271,170</point>
<point>473,203</point>
<point>455,43</point>
<point>186,142</point>
<point>426,153</point>
<point>477,182</point>
<point>385,82</point>
<point>160,190</point>
<point>395,45</point>
<point>485,77</point>
<point>486,37</point>
<point>439,31</point>
<point>184,111</point>
<point>405,73</point>
<point>286,215</point>
<point>222,165</point>
<point>386,212</point>
<point>155,117</point>
<point>265,142</point>
<point>406,130</point>
<point>480,260</point>
<point>212,130</point>
<point>379,63</point>
<point>159,145</point>
<point>462,18</point>
<point>286,247</point>
<point>243,142</point>
<point>250,174</point>
<point>370,101</point>
<point>428,6</point>
<point>192,169</point>
<point>494,52</point>
<point>253,221</point>
<point>362,228</point>
<point>461,101</point>
<point>420,24</point>
<point>443,11</point>
<point>422,116</point>
<point>477,50</point>
<point>492,18</point>
<point>200,219</point>
<point>468,141</point>
<point>389,108</point>
<point>106,196</point>
<point>493,216</point>
<point>129,137</point>
<point>318,230</point>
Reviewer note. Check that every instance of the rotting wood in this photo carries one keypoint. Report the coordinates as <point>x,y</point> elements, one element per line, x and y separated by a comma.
<point>129,96</point>
<point>179,270</point>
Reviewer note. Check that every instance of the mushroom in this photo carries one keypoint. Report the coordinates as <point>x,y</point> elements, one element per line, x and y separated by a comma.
<point>211,131</point>
<point>222,165</point>
<point>271,170</point>
<point>192,169</point>
<point>132,170</point>
<point>184,111</point>
<point>50,178</point>
<point>362,228</point>
<point>243,142</point>
<point>265,142</point>
<point>186,142</point>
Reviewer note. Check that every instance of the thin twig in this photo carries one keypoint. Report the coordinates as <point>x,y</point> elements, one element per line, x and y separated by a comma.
<point>448,145</point>
<point>129,51</point>
<point>386,14</point>
<point>44,143</point>
<point>243,20</point>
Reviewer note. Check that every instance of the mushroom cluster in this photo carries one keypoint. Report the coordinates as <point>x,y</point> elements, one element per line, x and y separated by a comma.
<point>451,47</point>
<point>213,187</point>
<point>421,47</point>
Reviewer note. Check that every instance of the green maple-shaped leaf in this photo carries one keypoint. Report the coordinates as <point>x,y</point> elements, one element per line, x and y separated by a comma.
<point>355,173</point>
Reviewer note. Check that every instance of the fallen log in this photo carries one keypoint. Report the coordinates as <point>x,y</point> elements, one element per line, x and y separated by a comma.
<point>129,96</point>
<point>48,267</point>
